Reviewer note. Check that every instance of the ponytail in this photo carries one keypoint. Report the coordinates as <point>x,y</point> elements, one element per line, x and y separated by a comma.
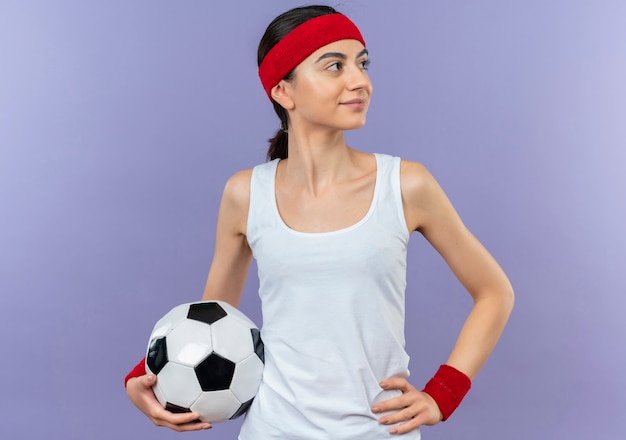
<point>278,144</point>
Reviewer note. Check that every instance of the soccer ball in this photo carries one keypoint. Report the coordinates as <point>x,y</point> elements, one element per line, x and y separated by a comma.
<point>208,358</point>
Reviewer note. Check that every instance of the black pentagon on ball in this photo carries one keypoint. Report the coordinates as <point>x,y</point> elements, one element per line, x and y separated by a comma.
<point>157,355</point>
<point>242,409</point>
<point>207,312</point>
<point>215,373</point>
<point>259,349</point>
<point>176,409</point>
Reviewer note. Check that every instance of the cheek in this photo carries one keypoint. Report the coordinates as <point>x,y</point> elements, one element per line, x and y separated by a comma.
<point>327,89</point>
<point>317,102</point>
<point>317,89</point>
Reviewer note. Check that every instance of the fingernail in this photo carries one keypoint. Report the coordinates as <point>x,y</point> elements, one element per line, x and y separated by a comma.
<point>383,385</point>
<point>393,431</point>
<point>375,409</point>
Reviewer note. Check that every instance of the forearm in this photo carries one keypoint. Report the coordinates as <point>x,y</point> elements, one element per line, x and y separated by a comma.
<point>481,331</point>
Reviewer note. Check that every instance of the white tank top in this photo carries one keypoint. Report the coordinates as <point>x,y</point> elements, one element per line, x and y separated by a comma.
<point>333,316</point>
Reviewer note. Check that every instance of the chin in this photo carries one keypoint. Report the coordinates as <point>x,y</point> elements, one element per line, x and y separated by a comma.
<point>355,125</point>
<point>345,124</point>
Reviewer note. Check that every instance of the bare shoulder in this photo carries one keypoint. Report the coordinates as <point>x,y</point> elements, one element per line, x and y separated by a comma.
<point>233,215</point>
<point>423,200</point>
<point>415,180</point>
<point>237,189</point>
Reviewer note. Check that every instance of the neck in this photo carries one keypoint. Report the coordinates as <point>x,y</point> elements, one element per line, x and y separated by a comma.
<point>316,159</point>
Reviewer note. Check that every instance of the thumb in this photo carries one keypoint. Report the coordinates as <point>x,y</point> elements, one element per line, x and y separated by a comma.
<point>150,379</point>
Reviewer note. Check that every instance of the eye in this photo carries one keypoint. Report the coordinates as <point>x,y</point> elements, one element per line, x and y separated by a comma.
<point>364,64</point>
<point>335,67</point>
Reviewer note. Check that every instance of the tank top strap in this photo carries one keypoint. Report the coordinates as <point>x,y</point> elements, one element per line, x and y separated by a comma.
<point>261,209</point>
<point>390,192</point>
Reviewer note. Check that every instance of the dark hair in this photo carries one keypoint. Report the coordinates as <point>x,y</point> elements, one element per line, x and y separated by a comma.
<point>276,31</point>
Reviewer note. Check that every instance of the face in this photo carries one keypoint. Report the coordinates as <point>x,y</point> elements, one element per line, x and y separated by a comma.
<point>331,88</point>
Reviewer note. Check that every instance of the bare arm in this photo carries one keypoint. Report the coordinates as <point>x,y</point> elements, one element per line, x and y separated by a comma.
<point>226,279</point>
<point>429,211</point>
<point>232,256</point>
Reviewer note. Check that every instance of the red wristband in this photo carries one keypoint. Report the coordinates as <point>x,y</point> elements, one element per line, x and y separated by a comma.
<point>139,370</point>
<point>448,387</point>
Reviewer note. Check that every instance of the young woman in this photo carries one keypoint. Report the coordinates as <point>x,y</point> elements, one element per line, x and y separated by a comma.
<point>329,227</point>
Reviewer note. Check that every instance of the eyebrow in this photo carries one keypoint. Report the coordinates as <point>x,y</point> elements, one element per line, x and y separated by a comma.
<point>341,56</point>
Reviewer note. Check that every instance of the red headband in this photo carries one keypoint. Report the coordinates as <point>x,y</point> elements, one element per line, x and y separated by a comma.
<point>301,42</point>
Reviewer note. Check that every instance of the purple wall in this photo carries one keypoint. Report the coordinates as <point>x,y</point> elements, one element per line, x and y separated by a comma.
<point>121,120</point>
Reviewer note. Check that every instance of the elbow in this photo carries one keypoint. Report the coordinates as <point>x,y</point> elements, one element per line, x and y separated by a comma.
<point>500,299</point>
<point>508,299</point>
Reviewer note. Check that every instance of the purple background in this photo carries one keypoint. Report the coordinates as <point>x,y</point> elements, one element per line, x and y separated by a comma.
<point>121,120</point>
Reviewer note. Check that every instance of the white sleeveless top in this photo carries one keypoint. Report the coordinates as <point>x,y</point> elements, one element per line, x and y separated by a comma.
<point>333,316</point>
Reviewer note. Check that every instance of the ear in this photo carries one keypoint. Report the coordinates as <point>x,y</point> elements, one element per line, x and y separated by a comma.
<point>281,93</point>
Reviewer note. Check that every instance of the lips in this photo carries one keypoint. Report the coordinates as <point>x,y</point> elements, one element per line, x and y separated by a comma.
<point>356,101</point>
<point>356,104</point>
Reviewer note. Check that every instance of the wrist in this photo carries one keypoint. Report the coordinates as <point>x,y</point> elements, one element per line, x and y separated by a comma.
<point>138,370</point>
<point>448,387</point>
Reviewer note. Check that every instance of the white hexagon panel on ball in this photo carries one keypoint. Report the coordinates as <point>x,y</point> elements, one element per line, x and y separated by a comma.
<point>189,342</point>
<point>232,340</point>
<point>177,384</point>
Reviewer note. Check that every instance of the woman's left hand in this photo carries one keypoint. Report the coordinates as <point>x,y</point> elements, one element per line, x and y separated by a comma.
<point>413,407</point>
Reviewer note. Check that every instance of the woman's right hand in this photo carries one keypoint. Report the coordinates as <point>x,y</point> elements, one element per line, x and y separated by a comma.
<point>139,390</point>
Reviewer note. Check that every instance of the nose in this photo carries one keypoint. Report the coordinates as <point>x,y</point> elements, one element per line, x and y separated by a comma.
<point>357,78</point>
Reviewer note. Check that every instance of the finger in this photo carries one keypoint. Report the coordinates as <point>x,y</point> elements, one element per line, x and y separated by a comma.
<point>178,421</point>
<point>410,425</point>
<point>145,381</point>
<point>193,426</point>
<point>408,397</point>
<point>421,415</point>
<point>395,403</point>
<point>161,414</point>
<point>401,416</point>
<point>396,383</point>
